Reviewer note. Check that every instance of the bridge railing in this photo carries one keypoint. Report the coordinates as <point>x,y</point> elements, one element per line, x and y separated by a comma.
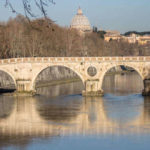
<point>73,59</point>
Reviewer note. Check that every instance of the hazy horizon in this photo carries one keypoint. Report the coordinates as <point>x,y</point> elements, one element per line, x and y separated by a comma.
<point>121,15</point>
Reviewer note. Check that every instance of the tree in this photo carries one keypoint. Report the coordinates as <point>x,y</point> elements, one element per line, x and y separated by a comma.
<point>40,4</point>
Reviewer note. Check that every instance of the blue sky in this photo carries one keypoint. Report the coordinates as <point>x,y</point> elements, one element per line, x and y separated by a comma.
<point>122,15</point>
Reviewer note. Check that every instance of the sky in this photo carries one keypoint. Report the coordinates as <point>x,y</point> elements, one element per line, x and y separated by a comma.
<point>121,15</point>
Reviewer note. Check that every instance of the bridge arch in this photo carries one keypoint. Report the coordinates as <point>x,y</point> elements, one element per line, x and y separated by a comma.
<point>57,65</point>
<point>136,68</point>
<point>10,75</point>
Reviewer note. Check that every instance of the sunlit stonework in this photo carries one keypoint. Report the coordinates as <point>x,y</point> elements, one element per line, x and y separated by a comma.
<point>80,22</point>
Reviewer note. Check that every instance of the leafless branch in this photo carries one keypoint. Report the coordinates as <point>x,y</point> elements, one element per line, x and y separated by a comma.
<point>40,4</point>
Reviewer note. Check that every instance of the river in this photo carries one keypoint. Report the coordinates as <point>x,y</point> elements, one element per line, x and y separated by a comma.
<point>59,118</point>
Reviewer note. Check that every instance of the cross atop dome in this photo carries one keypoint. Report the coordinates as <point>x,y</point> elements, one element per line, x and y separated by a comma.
<point>79,11</point>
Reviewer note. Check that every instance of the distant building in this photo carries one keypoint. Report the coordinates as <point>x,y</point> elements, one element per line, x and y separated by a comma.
<point>80,22</point>
<point>112,35</point>
<point>133,38</point>
<point>144,39</point>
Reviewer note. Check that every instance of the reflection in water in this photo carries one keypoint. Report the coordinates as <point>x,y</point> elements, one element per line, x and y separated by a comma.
<point>26,122</point>
<point>59,109</point>
<point>123,109</point>
<point>6,105</point>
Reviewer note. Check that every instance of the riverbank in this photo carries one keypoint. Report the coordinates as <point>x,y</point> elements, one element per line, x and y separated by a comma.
<point>56,82</point>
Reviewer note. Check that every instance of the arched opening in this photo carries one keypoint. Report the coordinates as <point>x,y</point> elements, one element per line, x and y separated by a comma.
<point>122,80</point>
<point>7,83</point>
<point>58,80</point>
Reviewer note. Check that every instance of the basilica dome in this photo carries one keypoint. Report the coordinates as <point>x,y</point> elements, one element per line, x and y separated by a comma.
<point>80,22</point>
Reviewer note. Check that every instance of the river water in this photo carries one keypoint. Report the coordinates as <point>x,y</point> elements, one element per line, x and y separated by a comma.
<point>61,119</point>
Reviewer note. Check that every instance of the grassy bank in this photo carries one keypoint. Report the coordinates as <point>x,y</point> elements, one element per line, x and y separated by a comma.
<point>56,82</point>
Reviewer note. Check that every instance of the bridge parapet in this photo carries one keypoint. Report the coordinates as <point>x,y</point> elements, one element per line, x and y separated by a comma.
<point>75,59</point>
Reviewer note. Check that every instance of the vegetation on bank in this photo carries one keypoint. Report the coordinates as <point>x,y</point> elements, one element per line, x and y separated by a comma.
<point>21,38</point>
<point>57,82</point>
<point>138,33</point>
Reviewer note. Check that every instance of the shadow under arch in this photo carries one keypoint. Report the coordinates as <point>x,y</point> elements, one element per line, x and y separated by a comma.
<point>63,66</point>
<point>136,70</point>
<point>8,74</point>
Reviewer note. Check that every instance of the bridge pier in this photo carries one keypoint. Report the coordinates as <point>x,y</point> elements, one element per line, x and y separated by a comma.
<point>146,91</point>
<point>92,88</point>
<point>24,88</point>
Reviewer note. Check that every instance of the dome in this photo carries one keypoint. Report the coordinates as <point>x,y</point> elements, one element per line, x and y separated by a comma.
<point>80,22</point>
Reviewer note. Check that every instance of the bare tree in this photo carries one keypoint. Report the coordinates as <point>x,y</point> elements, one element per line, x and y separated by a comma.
<point>40,4</point>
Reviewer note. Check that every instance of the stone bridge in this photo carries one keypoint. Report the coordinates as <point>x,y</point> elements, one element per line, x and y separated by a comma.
<point>91,70</point>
